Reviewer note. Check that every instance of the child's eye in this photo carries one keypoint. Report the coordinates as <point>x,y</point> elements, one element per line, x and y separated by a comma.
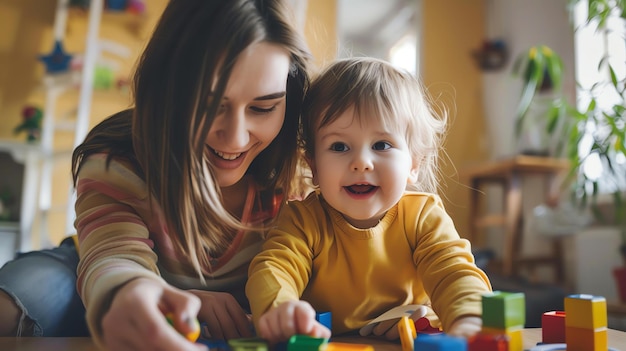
<point>340,147</point>
<point>381,145</point>
<point>263,110</point>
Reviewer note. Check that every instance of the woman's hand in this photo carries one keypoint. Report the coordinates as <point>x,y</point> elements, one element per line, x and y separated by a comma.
<point>290,318</point>
<point>466,327</point>
<point>224,317</point>
<point>136,318</point>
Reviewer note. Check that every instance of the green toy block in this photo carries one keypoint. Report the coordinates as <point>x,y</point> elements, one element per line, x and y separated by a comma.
<point>504,310</point>
<point>305,343</point>
<point>248,344</point>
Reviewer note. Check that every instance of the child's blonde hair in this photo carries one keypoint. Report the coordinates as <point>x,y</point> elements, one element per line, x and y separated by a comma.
<point>377,89</point>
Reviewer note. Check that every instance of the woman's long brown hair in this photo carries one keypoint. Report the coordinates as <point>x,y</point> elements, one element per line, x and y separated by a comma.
<point>195,43</point>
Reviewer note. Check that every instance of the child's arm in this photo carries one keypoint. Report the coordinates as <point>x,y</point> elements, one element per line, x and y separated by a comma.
<point>288,319</point>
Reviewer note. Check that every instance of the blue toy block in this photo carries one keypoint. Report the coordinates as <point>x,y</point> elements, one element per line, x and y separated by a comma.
<point>214,345</point>
<point>439,342</point>
<point>325,318</point>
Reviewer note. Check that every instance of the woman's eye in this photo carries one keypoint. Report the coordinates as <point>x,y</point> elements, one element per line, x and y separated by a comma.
<point>381,145</point>
<point>338,147</point>
<point>263,110</point>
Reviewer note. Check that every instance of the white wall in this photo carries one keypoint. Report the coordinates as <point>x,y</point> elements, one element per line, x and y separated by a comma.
<point>522,24</point>
<point>590,253</point>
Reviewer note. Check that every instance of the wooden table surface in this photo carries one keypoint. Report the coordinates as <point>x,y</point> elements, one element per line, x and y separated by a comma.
<point>617,340</point>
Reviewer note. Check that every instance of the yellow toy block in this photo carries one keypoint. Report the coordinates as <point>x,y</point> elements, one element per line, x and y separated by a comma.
<point>406,329</point>
<point>516,342</point>
<point>583,339</point>
<point>585,311</point>
<point>340,346</point>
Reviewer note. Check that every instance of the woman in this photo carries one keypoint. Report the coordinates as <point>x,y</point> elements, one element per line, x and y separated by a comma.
<point>173,194</point>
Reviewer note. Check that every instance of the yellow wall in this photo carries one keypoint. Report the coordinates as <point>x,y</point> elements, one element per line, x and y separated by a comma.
<point>451,30</point>
<point>26,31</point>
<point>321,30</point>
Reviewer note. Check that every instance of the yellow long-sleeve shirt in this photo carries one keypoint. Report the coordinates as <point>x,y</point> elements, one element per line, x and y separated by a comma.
<point>413,256</point>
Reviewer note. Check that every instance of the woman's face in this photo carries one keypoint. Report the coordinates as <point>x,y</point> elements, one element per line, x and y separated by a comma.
<point>251,113</point>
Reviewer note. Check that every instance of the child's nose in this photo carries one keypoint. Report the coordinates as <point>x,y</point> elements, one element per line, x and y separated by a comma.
<point>362,162</point>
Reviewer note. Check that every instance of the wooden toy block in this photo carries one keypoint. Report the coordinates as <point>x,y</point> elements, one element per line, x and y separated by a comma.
<point>585,311</point>
<point>504,309</point>
<point>248,344</point>
<point>406,329</point>
<point>305,343</point>
<point>583,339</point>
<point>514,335</point>
<point>553,327</point>
<point>439,342</point>
<point>340,346</point>
<point>488,342</point>
<point>325,318</point>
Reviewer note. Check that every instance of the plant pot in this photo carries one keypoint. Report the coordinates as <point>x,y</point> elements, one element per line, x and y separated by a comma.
<point>620,281</point>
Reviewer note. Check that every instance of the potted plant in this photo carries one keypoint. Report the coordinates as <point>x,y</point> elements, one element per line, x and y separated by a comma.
<point>592,136</point>
<point>539,124</point>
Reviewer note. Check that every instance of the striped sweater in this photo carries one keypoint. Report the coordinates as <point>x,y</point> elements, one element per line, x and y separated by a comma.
<point>122,236</point>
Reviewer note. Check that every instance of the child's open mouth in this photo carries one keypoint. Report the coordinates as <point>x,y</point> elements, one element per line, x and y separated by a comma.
<point>360,188</point>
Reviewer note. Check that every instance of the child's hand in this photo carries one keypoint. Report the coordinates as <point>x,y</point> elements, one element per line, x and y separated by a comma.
<point>389,328</point>
<point>288,319</point>
<point>136,321</point>
<point>466,327</point>
<point>224,317</point>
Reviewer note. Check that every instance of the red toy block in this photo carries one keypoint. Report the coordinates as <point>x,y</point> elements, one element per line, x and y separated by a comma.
<point>422,326</point>
<point>553,327</point>
<point>487,342</point>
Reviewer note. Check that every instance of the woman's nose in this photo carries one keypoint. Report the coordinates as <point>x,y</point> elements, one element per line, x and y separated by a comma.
<point>233,130</point>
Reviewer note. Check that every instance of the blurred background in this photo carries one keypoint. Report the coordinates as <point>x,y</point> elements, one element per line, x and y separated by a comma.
<point>463,50</point>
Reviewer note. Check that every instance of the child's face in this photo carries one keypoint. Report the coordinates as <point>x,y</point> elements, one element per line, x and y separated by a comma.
<point>252,111</point>
<point>362,169</point>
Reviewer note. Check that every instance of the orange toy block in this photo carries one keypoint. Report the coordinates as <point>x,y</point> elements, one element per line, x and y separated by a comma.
<point>406,329</point>
<point>553,327</point>
<point>585,311</point>
<point>191,336</point>
<point>582,339</point>
<point>340,346</point>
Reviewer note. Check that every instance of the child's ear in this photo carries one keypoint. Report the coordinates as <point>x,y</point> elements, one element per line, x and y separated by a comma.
<point>311,162</point>
<point>412,178</point>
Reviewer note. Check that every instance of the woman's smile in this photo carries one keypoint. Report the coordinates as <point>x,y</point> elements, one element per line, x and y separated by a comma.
<point>225,160</point>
